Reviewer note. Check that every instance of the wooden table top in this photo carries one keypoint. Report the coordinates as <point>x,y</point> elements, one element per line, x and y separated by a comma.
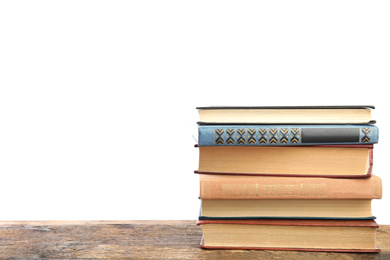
<point>138,239</point>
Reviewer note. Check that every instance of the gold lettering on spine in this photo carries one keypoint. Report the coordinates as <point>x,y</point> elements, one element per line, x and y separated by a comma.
<point>316,190</point>
<point>299,190</point>
<point>236,190</point>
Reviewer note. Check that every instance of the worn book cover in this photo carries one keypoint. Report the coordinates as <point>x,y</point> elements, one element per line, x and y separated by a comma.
<point>286,115</point>
<point>272,187</point>
<point>343,161</point>
<point>286,209</point>
<point>282,135</point>
<point>290,234</point>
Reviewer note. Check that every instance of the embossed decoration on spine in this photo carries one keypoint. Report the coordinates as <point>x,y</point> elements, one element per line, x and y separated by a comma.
<point>263,139</point>
<point>366,132</point>
<point>219,133</point>
<point>284,138</point>
<point>295,135</point>
<point>251,139</point>
<point>241,132</point>
<point>273,139</point>
<point>252,190</point>
<point>230,139</point>
<point>266,136</point>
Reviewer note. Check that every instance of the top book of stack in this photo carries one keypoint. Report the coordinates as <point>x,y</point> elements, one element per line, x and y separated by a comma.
<point>285,115</point>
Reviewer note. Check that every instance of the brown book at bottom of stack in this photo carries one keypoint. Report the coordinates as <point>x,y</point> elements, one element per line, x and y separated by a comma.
<point>290,234</point>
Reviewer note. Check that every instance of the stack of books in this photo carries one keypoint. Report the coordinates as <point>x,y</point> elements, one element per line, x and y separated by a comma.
<point>288,178</point>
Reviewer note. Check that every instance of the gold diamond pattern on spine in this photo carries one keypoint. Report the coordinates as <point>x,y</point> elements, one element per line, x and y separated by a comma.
<point>251,139</point>
<point>273,139</point>
<point>266,135</point>
<point>366,132</point>
<point>295,137</point>
<point>219,133</point>
<point>263,139</point>
<point>284,132</point>
<point>295,131</point>
<point>230,132</point>
<point>241,139</point>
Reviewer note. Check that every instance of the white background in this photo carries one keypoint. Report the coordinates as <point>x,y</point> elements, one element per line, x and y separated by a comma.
<point>97,98</point>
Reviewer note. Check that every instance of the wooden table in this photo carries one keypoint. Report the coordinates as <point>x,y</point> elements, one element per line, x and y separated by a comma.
<point>137,239</point>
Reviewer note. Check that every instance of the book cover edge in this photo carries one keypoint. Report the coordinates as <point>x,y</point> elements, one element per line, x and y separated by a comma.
<point>293,249</point>
<point>294,222</point>
<point>287,217</point>
<point>290,107</point>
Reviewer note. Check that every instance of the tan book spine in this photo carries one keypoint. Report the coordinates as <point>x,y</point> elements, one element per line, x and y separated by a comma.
<point>264,187</point>
<point>286,160</point>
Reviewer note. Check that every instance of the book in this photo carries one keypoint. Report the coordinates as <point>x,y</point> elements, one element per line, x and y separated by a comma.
<point>286,208</point>
<point>276,135</point>
<point>291,234</point>
<point>214,187</point>
<point>286,115</point>
<point>351,161</point>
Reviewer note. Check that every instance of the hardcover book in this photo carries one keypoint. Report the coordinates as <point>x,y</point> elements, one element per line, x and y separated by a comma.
<point>286,115</point>
<point>301,235</point>
<point>286,208</point>
<point>215,187</point>
<point>352,161</point>
<point>276,135</point>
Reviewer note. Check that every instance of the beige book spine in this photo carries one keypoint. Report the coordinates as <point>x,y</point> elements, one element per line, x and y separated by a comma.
<point>260,187</point>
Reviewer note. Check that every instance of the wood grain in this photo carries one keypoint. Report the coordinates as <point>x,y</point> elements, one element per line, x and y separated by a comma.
<point>137,240</point>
